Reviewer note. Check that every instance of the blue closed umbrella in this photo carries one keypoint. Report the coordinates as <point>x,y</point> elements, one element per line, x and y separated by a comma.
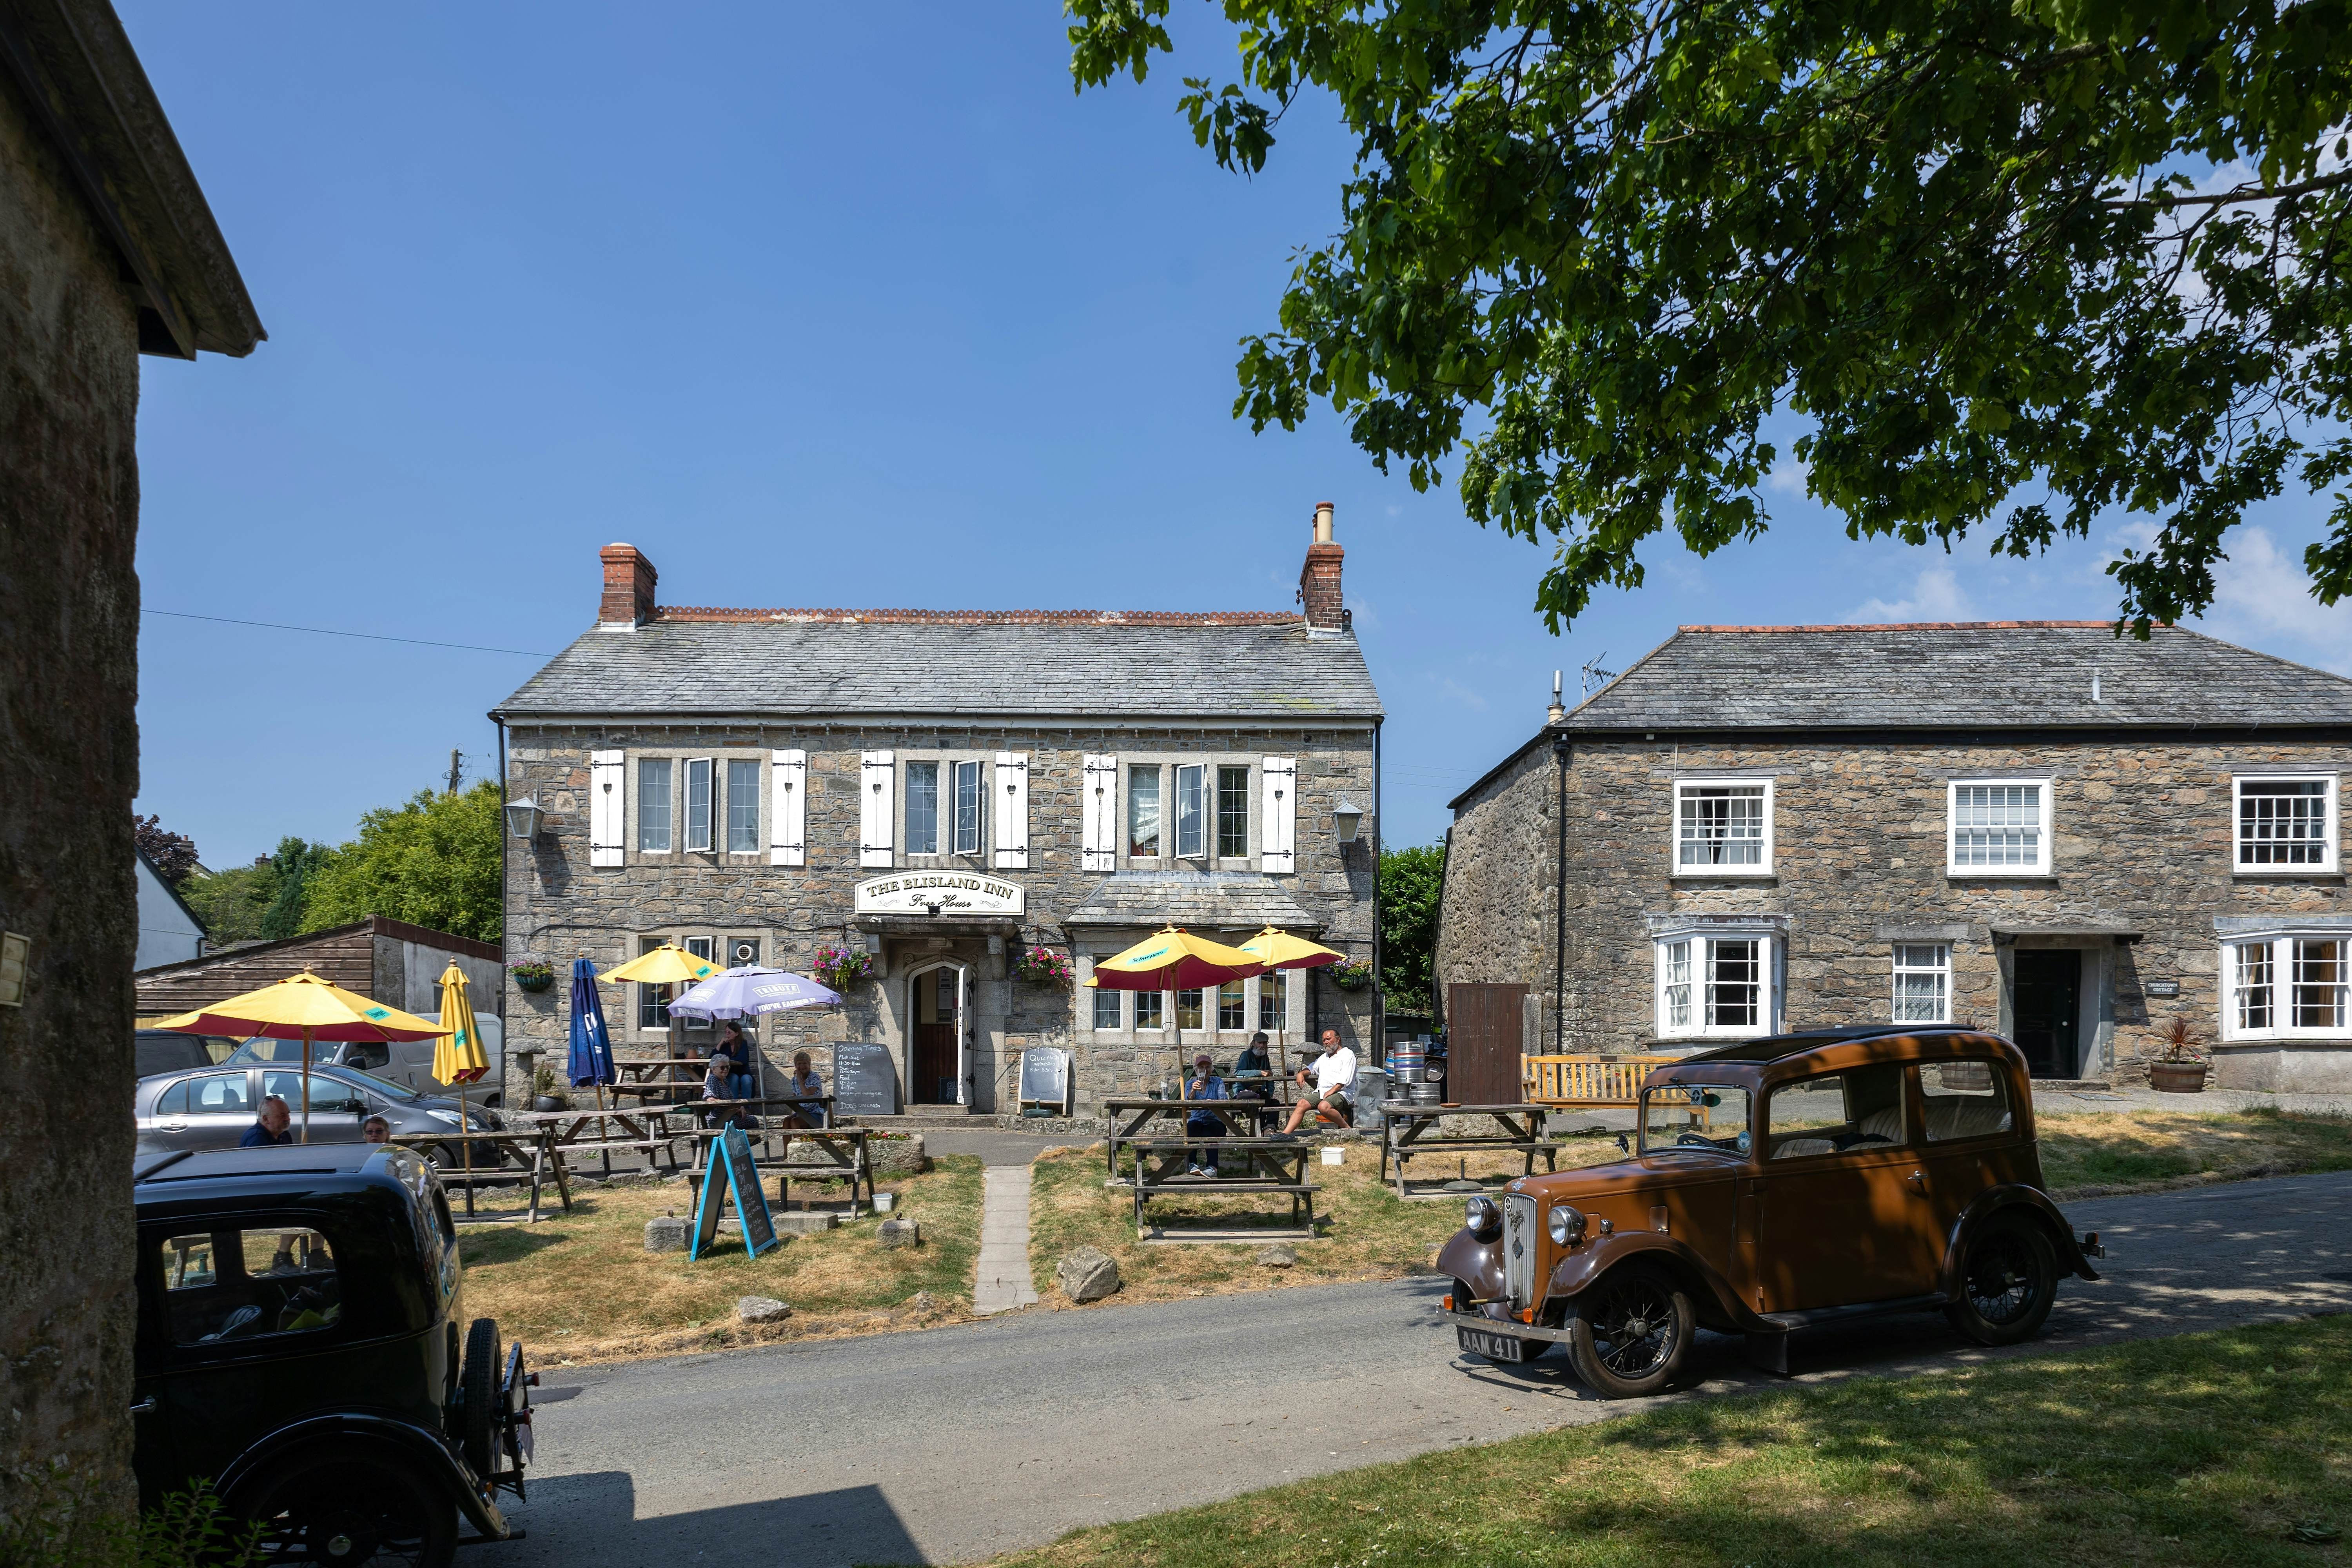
<point>592,1048</point>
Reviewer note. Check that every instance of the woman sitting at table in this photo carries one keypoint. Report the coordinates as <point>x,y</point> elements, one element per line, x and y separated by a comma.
<point>717,1084</point>
<point>1204,1084</point>
<point>1254,1070</point>
<point>804,1085</point>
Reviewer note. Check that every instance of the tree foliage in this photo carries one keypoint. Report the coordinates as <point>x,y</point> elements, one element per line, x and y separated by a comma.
<point>2008,264</point>
<point>249,903</point>
<point>433,862</point>
<point>1409,881</point>
<point>173,855</point>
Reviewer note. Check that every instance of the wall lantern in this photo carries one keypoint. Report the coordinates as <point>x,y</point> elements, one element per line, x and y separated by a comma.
<point>522,818</point>
<point>1346,818</point>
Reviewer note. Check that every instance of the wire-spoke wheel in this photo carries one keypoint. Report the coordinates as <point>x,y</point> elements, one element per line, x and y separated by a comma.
<point>1629,1335</point>
<point>2009,1279</point>
<point>348,1509</point>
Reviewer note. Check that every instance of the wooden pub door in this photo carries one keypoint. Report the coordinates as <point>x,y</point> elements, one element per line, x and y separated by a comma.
<point>938,1020</point>
<point>1483,1028</point>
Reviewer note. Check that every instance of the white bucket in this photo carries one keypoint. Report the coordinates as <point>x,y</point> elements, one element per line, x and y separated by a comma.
<point>1333,1155</point>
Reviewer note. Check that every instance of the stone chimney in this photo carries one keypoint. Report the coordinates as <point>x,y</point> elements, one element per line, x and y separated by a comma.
<point>1318,580</point>
<point>628,586</point>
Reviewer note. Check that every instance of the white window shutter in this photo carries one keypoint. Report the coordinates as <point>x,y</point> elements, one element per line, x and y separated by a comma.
<point>1012,811</point>
<point>1098,815</point>
<point>607,802</point>
<point>787,808</point>
<point>876,812</point>
<point>1278,838</point>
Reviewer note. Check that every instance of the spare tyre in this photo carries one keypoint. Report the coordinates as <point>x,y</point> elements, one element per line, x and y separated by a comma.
<point>478,1397</point>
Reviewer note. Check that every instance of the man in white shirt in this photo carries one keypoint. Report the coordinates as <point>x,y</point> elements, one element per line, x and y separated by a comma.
<point>1334,1077</point>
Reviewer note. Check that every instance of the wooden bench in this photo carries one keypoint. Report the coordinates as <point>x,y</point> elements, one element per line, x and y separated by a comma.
<point>1405,1133</point>
<point>846,1157</point>
<point>543,1162</point>
<point>1147,1185</point>
<point>1599,1082</point>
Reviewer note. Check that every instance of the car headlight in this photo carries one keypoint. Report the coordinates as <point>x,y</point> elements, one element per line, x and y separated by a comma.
<point>1566,1224</point>
<point>1484,1217</point>
<point>449,1117</point>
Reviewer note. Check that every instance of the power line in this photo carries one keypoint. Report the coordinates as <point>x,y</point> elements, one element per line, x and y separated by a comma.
<point>333,632</point>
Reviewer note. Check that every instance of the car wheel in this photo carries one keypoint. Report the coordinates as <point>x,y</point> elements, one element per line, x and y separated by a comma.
<point>352,1508</point>
<point>1629,1335</point>
<point>478,1426</point>
<point>2008,1281</point>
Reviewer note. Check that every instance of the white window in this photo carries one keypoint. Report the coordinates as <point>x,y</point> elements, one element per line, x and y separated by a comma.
<point>2285,986</point>
<point>1149,1008</point>
<point>2286,826</point>
<point>970,805</point>
<point>743,805</point>
<point>1106,1007</point>
<point>1714,986</point>
<point>1923,983</point>
<point>1232,1006</point>
<point>1192,811</point>
<point>922,808</point>
<point>1723,828</point>
<point>1144,816</point>
<point>1999,827</point>
<point>698,803</point>
<point>653,804</point>
<point>1273,1002</point>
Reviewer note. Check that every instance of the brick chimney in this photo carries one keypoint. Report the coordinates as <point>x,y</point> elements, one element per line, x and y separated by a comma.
<point>1318,580</point>
<point>628,586</point>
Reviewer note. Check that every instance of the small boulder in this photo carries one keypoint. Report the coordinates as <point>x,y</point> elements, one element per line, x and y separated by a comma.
<point>1280,1254</point>
<point>922,1302</point>
<point>898,1233</point>
<point>896,1156</point>
<point>761,1309</point>
<point>1090,1274</point>
<point>803,1222</point>
<point>666,1233</point>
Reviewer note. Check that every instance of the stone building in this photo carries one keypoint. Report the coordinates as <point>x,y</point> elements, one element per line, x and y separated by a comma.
<point>108,251</point>
<point>945,792</point>
<point>2029,827</point>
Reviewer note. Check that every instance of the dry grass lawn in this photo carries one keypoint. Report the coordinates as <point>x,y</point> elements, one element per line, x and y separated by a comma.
<point>2231,1448</point>
<point>2143,1151</point>
<point>583,1287</point>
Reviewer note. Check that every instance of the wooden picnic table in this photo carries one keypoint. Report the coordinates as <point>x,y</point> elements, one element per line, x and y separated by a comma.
<point>543,1162</point>
<point>826,1154</point>
<point>1273,1166</point>
<point>1142,1109</point>
<point>565,1128</point>
<point>1521,1128</point>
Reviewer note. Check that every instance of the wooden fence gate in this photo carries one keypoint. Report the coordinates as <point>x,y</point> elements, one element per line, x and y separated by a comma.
<point>1483,1036</point>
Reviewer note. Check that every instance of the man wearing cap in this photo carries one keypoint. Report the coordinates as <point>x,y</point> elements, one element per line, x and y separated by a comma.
<point>1204,1084</point>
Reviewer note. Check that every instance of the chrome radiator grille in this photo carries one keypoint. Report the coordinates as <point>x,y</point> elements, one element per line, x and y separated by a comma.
<point>1519,1238</point>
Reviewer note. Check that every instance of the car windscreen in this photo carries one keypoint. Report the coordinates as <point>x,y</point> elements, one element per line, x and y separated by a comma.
<point>1696,1118</point>
<point>373,1084</point>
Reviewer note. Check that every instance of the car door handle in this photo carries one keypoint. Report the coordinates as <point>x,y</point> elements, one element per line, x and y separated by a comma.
<point>1918,1179</point>
<point>147,1407</point>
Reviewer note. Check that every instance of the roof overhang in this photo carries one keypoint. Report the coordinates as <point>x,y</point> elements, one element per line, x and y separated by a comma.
<point>2007,931</point>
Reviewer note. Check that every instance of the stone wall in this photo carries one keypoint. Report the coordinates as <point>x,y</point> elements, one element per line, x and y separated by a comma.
<point>558,906</point>
<point>69,768</point>
<point>2142,840</point>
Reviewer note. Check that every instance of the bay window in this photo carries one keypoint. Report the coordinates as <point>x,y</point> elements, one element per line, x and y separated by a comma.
<point>2285,825</point>
<point>2285,986</point>
<point>1714,985</point>
<point>1723,828</point>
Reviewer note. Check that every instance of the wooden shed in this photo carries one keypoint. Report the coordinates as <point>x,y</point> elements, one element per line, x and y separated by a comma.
<point>385,959</point>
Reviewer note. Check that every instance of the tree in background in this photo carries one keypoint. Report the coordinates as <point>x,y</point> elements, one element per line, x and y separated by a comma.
<point>294,863</point>
<point>2002,265</point>
<point>1409,880</point>
<point>232,903</point>
<point>433,862</point>
<point>173,855</point>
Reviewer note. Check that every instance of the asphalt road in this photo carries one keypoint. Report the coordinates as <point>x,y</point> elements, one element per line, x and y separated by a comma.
<point>957,1443</point>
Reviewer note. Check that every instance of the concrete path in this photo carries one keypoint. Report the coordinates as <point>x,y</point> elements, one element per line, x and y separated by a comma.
<point>1003,1281</point>
<point>960,1442</point>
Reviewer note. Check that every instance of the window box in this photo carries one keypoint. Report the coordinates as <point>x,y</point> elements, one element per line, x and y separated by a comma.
<point>1723,828</point>
<point>1997,827</point>
<point>2285,824</point>
<point>1712,986</point>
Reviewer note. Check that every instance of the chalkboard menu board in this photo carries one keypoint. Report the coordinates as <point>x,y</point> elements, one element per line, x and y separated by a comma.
<point>731,1173</point>
<point>1045,1077</point>
<point>865,1081</point>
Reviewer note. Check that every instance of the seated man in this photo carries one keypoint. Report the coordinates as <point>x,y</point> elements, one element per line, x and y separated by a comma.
<point>1204,1084</point>
<point>271,1129</point>
<point>1254,1071</point>
<point>804,1084</point>
<point>1333,1076</point>
<point>717,1083</point>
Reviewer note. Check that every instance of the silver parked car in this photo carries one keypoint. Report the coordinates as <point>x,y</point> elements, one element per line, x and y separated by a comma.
<point>405,1062</point>
<point>210,1108</point>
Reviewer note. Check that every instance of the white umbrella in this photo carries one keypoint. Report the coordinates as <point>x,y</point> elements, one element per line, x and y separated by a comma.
<point>751,990</point>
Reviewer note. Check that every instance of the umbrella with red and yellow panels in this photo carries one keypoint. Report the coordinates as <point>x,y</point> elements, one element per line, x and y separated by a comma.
<point>306,1008</point>
<point>1175,960</point>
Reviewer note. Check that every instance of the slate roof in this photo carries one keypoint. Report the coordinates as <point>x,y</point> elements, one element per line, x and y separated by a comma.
<point>1197,901</point>
<point>1957,675</point>
<point>1015,664</point>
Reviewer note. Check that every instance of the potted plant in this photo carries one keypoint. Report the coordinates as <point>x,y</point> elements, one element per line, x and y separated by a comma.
<point>545,1094</point>
<point>532,975</point>
<point>839,968</point>
<point>1043,966</point>
<point>2182,1067</point>
<point>1351,977</point>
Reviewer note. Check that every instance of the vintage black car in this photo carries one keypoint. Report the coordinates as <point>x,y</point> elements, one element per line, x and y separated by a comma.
<point>303,1346</point>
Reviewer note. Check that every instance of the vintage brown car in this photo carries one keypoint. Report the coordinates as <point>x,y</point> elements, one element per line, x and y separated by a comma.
<point>1778,1184</point>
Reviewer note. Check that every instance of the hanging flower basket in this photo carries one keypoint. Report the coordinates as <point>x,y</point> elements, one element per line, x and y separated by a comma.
<point>1043,966</point>
<point>839,968</point>
<point>534,976</point>
<point>1351,977</point>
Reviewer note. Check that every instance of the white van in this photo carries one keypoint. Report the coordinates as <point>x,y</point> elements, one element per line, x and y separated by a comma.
<point>405,1062</point>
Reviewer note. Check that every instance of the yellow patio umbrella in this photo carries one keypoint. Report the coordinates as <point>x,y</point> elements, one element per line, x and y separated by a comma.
<point>1278,950</point>
<point>668,964</point>
<point>307,1008</point>
<point>1175,960</point>
<point>457,1056</point>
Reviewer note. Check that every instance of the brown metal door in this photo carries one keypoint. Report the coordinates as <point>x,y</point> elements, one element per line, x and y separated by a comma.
<point>1482,1043</point>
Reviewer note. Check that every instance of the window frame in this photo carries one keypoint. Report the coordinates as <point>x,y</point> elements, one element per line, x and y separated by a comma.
<point>2044,835</point>
<point>1248,787</point>
<point>1941,969</point>
<point>1700,984</point>
<point>1686,786</point>
<point>973,770</point>
<point>2281,948</point>
<point>1163,836</point>
<point>706,770</point>
<point>1118,999</point>
<point>1201,824</point>
<point>2332,855</point>
<point>907,849</point>
<point>668,766</point>
<point>758,766</point>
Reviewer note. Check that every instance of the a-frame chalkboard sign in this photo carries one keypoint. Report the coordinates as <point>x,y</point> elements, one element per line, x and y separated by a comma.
<point>731,1174</point>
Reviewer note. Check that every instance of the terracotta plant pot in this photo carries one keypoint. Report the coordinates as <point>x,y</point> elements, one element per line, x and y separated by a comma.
<point>2177,1078</point>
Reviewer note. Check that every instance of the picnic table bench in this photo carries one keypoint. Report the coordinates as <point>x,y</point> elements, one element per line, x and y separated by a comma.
<point>652,1138</point>
<point>1243,1119</point>
<point>1274,1165</point>
<point>1406,1132</point>
<point>542,1162</point>
<point>824,1154</point>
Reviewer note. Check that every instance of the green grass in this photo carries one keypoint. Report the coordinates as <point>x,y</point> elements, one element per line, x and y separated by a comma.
<point>2207,1448</point>
<point>2146,1147</point>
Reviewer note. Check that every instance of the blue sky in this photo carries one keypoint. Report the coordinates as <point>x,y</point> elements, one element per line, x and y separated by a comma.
<point>817,314</point>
